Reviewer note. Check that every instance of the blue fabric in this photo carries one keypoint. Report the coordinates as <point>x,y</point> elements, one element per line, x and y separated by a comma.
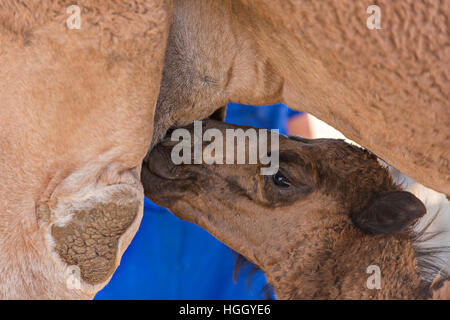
<point>266,117</point>
<point>174,259</point>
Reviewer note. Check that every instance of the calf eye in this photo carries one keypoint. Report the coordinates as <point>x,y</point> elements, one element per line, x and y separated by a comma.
<point>280,180</point>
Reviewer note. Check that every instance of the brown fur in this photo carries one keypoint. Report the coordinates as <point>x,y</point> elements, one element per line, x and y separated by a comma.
<point>76,121</point>
<point>385,89</point>
<point>441,289</point>
<point>77,105</point>
<point>303,236</point>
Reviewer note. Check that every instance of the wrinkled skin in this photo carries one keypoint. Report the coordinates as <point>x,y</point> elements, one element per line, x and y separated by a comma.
<point>385,89</point>
<point>75,123</point>
<point>303,232</point>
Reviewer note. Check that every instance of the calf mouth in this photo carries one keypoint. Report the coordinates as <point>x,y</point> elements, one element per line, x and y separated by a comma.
<point>159,163</point>
<point>163,181</point>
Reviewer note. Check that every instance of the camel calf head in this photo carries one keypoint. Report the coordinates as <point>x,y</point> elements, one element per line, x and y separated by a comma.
<point>298,224</point>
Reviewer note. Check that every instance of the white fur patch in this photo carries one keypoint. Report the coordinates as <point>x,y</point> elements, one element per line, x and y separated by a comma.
<point>436,221</point>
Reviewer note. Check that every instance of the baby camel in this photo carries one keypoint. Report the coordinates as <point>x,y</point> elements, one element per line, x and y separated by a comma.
<point>315,226</point>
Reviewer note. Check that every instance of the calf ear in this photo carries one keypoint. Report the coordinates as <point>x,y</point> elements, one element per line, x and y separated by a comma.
<point>389,213</point>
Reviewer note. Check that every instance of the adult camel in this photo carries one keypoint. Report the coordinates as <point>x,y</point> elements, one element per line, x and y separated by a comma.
<point>75,123</point>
